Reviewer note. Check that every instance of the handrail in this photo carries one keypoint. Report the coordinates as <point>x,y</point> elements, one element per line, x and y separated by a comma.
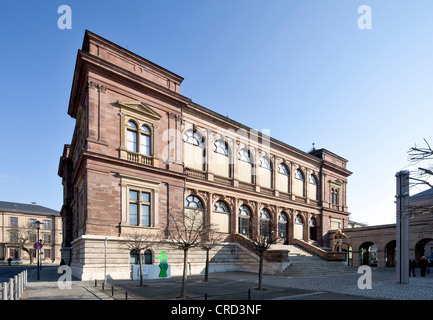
<point>330,256</point>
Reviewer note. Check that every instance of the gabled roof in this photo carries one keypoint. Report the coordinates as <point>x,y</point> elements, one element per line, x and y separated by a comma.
<point>26,208</point>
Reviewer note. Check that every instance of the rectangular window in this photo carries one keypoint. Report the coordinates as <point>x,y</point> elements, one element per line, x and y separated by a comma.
<point>47,253</point>
<point>139,208</point>
<point>32,223</point>
<point>47,224</point>
<point>133,208</point>
<point>14,237</point>
<point>145,144</point>
<point>131,140</point>
<point>47,238</point>
<point>33,238</point>
<point>13,221</point>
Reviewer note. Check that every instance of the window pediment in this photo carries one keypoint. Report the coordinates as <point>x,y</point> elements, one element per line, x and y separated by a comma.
<point>138,107</point>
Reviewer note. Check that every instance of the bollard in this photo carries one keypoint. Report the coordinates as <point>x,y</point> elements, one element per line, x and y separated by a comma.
<point>16,287</point>
<point>19,286</point>
<point>112,291</point>
<point>5,291</point>
<point>11,289</point>
<point>126,295</point>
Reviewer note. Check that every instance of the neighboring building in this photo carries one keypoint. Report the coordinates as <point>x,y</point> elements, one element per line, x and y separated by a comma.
<point>140,150</point>
<point>19,232</point>
<point>376,245</point>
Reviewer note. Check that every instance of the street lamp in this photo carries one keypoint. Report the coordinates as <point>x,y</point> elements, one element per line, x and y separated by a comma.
<point>38,223</point>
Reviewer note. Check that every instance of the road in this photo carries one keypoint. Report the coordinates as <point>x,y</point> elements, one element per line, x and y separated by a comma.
<point>7,272</point>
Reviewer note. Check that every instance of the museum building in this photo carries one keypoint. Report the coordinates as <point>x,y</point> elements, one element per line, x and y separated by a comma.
<point>141,150</point>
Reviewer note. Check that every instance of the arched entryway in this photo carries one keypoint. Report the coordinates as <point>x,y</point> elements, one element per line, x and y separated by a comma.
<point>420,248</point>
<point>368,254</point>
<point>390,254</point>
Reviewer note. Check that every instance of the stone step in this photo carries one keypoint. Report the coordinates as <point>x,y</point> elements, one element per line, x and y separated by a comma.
<point>304,263</point>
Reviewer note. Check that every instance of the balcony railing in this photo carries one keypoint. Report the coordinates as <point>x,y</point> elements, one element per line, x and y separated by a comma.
<point>140,158</point>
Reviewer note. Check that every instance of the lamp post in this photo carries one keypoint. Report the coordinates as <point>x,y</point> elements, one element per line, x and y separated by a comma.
<point>38,223</point>
<point>402,230</point>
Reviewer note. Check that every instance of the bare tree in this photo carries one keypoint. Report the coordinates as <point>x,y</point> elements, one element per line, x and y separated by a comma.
<point>263,235</point>
<point>421,156</point>
<point>213,239</point>
<point>186,231</point>
<point>417,156</point>
<point>22,237</point>
<point>138,243</point>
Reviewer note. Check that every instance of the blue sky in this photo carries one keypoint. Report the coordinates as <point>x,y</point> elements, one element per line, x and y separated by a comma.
<point>302,69</point>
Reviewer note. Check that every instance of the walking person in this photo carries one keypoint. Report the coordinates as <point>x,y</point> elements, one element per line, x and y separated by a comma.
<point>412,266</point>
<point>423,264</point>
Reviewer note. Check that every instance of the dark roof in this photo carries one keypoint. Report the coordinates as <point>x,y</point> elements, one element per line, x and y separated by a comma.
<point>26,208</point>
<point>426,193</point>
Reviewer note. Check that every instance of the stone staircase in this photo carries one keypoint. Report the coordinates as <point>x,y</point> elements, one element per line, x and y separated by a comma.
<point>304,263</point>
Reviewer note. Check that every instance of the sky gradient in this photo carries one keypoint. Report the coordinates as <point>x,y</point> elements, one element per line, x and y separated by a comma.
<point>301,69</point>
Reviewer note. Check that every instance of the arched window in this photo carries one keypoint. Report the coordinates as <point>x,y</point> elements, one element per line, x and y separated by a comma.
<point>313,190</point>
<point>145,140</point>
<point>221,147</point>
<point>265,227</point>
<point>265,163</point>
<point>131,136</point>
<point>299,175</point>
<point>138,140</point>
<point>147,257</point>
<point>282,226</point>
<point>265,172</point>
<point>283,181</point>
<point>193,150</point>
<point>221,216</point>
<point>194,213</point>
<point>313,229</point>
<point>221,159</point>
<point>193,137</point>
<point>244,220</point>
<point>193,202</point>
<point>282,168</point>
<point>298,183</point>
<point>245,166</point>
<point>244,155</point>
<point>298,228</point>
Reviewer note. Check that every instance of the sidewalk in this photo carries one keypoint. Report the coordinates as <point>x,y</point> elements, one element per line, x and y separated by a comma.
<point>47,287</point>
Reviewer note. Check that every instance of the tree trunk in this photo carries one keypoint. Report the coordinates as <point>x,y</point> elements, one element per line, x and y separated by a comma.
<point>140,262</point>
<point>260,269</point>
<point>206,270</point>
<point>185,273</point>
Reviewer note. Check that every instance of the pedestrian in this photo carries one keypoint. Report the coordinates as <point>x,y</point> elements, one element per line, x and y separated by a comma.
<point>412,266</point>
<point>9,261</point>
<point>423,264</point>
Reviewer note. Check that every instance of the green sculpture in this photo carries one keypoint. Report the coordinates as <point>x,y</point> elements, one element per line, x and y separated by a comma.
<point>163,264</point>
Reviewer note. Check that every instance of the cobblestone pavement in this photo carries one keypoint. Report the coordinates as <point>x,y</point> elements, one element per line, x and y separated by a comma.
<point>235,285</point>
<point>384,284</point>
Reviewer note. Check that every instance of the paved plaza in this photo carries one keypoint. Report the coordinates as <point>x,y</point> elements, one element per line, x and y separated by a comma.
<point>236,286</point>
